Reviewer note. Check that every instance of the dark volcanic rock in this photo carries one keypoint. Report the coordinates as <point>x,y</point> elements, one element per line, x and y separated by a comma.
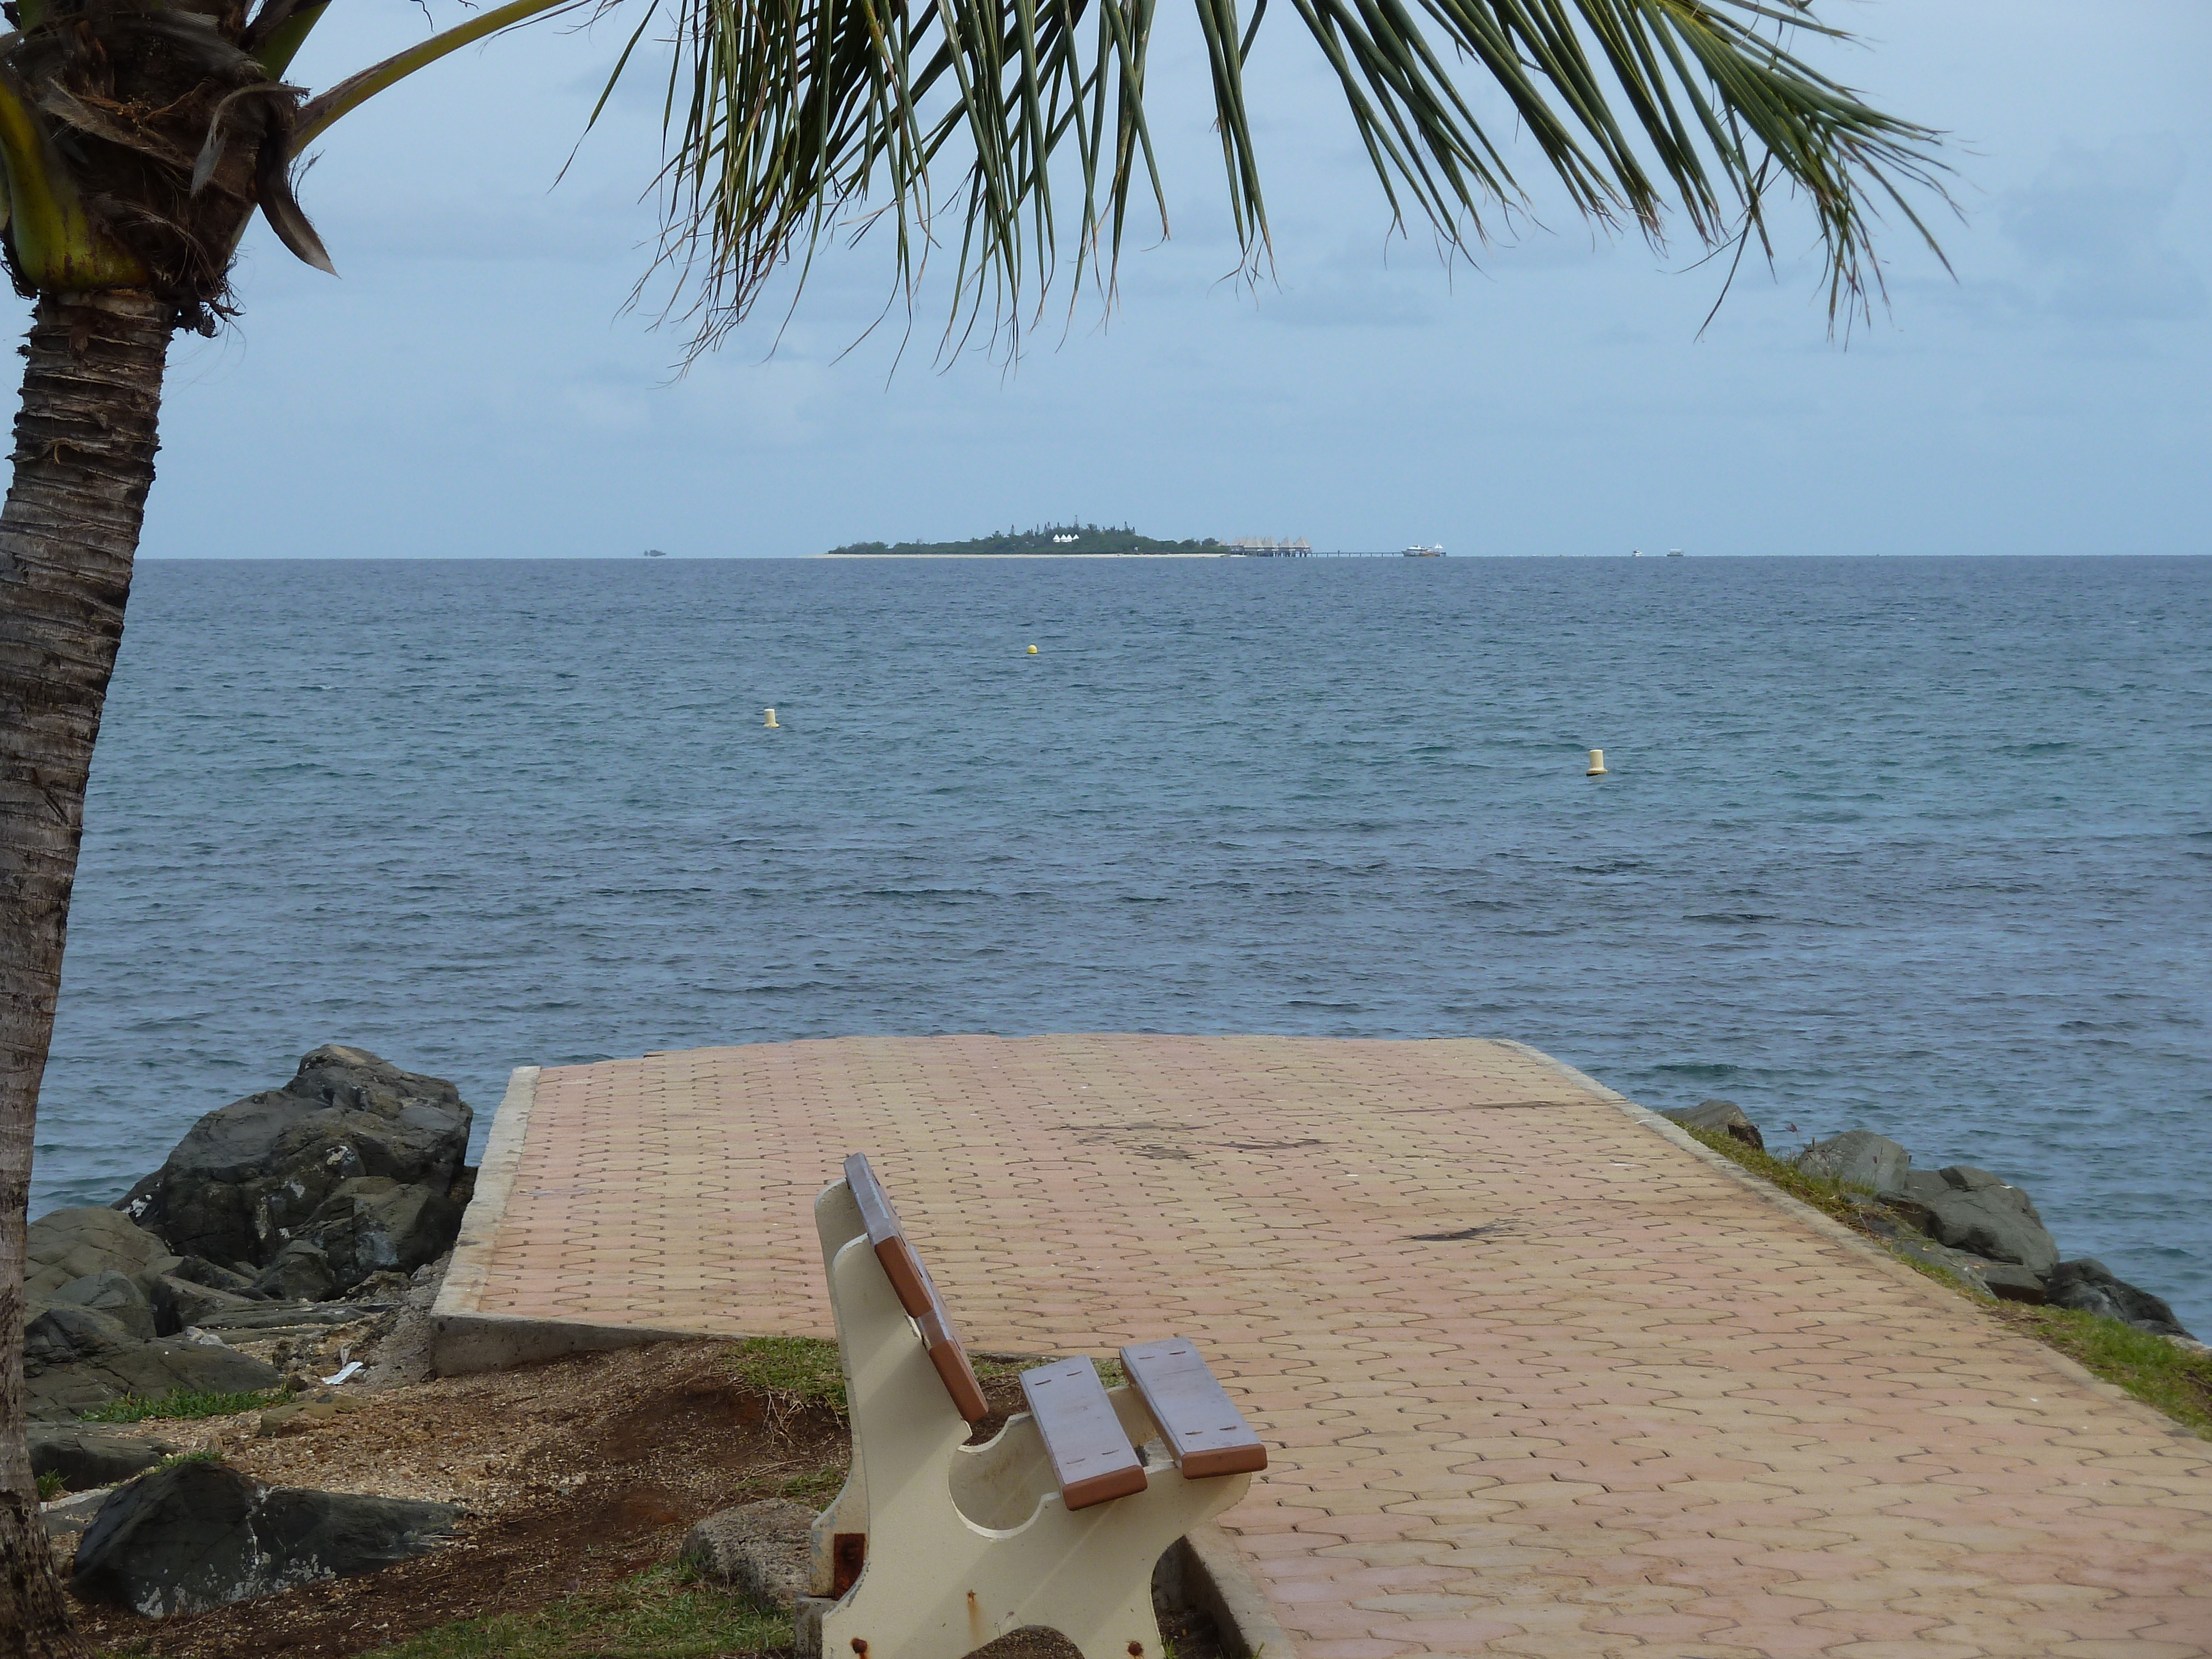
<point>2090,1286</point>
<point>1858,1158</point>
<point>198,1270</point>
<point>68,1332</point>
<point>68,1245</point>
<point>301,1271</point>
<point>199,1535</point>
<point>1972,1210</point>
<point>179,1302</point>
<point>372,1225</point>
<point>250,1177</point>
<point>1724,1116</point>
<point>2009,1282</point>
<point>1910,1210</point>
<point>75,1360</point>
<point>123,1299</point>
<point>87,1455</point>
<point>1968,1179</point>
<point>1998,1222</point>
<point>1925,1185</point>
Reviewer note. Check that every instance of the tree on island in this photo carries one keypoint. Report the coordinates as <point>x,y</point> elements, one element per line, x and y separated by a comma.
<point>138,140</point>
<point>1040,538</point>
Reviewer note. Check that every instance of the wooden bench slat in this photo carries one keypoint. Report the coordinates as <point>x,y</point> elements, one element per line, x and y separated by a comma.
<point>1092,1457</point>
<point>916,1290</point>
<point>1204,1429</point>
<point>888,1234</point>
<point>949,1355</point>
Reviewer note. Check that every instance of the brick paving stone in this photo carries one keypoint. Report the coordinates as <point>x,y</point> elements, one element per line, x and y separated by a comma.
<point>1647,1409</point>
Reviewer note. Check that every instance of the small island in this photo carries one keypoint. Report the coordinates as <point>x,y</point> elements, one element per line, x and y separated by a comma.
<point>1078,540</point>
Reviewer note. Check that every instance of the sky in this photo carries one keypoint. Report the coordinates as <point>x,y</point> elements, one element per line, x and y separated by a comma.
<point>477,384</point>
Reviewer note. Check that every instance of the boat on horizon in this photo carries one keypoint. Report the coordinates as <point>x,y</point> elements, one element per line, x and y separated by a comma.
<point>1417,551</point>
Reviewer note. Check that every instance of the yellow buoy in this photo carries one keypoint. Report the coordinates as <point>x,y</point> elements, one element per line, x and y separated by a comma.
<point>771,721</point>
<point>1033,651</point>
<point>1597,765</point>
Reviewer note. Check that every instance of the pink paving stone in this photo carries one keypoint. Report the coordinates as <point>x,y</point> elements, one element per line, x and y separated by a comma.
<point>1769,1402</point>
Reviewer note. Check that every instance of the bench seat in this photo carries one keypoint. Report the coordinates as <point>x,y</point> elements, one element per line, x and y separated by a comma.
<point>1204,1429</point>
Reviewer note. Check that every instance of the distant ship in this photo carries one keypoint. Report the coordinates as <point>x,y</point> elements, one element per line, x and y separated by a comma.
<point>1417,551</point>
<point>1674,552</point>
<point>654,553</point>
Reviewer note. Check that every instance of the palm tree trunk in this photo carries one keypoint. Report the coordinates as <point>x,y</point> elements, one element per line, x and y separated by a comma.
<point>84,459</point>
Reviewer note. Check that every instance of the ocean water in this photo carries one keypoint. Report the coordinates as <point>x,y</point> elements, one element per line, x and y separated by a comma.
<point>1923,845</point>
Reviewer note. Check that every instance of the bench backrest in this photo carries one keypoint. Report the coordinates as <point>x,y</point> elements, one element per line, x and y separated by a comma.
<point>916,1293</point>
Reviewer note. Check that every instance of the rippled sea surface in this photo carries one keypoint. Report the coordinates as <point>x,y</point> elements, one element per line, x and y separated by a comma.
<point>1919,845</point>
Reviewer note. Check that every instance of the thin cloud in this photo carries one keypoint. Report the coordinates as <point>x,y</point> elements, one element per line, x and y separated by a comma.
<point>2090,228</point>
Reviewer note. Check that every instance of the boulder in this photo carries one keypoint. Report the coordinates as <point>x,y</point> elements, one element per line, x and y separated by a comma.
<point>1910,1210</point>
<point>1997,1222</point>
<point>763,1550</point>
<point>1925,1185</point>
<point>1858,1158</point>
<point>63,1245</point>
<point>1721,1117</point>
<point>2089,1287</point>
<point>179,1302</point>
<point>198,1270</point>
<point>247,1177</point>
<point>373,1224</point>
<point>1965,1178</point>
<point>196,1535</point>
<point>2008,1283</point>
<point>118,1296</point>
<point>300,1272</point>
<point>75,1360</point>
<point>68,1332</point>
<point>87,1455</point>
<point>305,1411</point>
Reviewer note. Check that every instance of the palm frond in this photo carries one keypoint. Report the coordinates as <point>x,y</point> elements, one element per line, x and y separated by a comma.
<point>786,119</point>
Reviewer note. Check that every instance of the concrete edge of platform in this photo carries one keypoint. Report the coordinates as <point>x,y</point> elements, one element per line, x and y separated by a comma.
<point>1829,1228</point>
<point>1209,1575</point>
<point>470,1270</point>
<point>467,1342</point>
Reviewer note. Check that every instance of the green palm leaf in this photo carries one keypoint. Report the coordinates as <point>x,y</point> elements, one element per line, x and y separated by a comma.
<point>785,117</point>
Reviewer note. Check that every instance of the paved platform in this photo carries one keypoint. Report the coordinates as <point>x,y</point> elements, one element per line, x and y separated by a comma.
<point>1541,1376</point>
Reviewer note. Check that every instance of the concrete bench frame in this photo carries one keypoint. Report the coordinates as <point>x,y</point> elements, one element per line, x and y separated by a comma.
<point>955,1545</point>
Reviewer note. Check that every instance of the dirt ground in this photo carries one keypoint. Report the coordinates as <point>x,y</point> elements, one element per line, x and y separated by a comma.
<point>574,1474</point>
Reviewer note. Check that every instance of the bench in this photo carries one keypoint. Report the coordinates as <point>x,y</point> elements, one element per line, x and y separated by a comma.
<point>935,1547</point>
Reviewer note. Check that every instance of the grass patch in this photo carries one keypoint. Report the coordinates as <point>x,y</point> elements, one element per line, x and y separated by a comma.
<point>817,1488</point>
<point>181,1402</point>
<point>990,1365</point>
<point>658,1614</point>
<point>1831,1198</point>
<point>50,1485</point>
<point>792,1370</point>
<point>2174,1379</point>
